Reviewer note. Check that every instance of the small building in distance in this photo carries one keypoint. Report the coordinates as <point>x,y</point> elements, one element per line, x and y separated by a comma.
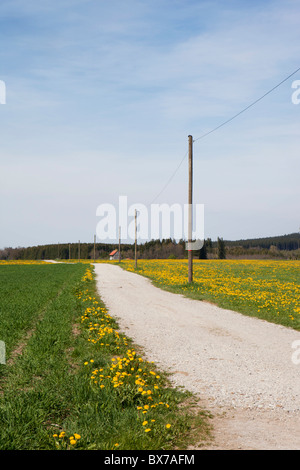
<point>114,255</point>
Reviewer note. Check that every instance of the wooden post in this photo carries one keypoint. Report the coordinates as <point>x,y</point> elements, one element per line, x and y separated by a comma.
<point>190,221</point>
<point>94,248</point>
<point>69,251</point>
<point>119,244</point>
<point>135,248</point>
<point>78,250</point>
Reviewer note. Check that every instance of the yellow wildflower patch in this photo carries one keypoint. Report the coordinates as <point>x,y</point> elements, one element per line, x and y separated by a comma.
<point>269,289</point>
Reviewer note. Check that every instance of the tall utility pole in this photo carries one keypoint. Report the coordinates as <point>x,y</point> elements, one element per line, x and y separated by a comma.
<point>119,244</point>
<point>135,248</point>
<point>78,250</point>
<point>190,221</point>
<point>69,251</point>
<point>94,248</point>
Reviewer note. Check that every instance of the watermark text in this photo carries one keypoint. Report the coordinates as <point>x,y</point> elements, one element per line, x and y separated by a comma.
<point>159,221</point>
<point>2,92</point>
<point>2,352</point>
<point>296,94</point>
<point>296,353</point>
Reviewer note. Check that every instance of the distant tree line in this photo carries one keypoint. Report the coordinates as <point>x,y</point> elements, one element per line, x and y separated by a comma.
<point>285,242</point>
<point>286,246</point>
<point>153,249</point>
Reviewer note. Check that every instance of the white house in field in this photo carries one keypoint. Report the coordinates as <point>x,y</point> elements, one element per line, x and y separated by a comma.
<point>114,254</point>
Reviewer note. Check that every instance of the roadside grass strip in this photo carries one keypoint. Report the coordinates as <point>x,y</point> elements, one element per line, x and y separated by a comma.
<point>144,411</point>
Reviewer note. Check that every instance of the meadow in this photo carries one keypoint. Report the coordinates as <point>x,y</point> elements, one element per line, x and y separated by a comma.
<point>266,289</point>
<point>71,380</point>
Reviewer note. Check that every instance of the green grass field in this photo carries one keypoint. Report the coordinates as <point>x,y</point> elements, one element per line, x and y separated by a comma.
<point>71,380</point>
<point>26,291</point>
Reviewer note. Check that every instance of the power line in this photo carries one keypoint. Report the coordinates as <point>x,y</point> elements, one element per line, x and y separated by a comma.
<point>221,125</point>
<point>171,177</point>
<point>247,107</point>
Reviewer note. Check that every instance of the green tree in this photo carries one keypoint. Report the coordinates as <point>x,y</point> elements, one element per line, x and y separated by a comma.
<point>221,249</point>
<point>209,245</point>
<point>203,251</point>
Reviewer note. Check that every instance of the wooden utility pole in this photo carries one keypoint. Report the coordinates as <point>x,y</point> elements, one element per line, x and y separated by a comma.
<point>78,250</point>
<point>69,251</point>
<point>135,248</point>
<point>94,248</point>
<point>190,221</point>
<point>119,244</point>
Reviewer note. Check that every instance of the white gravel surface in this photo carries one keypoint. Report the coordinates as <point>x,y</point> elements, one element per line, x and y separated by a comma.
<point>240,367</point>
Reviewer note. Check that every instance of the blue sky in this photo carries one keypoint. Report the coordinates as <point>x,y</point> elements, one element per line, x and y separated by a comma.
<point>101,97</point>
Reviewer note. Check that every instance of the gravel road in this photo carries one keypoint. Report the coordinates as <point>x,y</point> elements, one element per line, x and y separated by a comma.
<point>240,367</point>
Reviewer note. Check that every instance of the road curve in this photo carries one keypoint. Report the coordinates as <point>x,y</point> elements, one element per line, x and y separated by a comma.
<point>239,366</point>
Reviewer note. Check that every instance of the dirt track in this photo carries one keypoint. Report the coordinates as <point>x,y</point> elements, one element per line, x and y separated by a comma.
<point>241,368</point>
